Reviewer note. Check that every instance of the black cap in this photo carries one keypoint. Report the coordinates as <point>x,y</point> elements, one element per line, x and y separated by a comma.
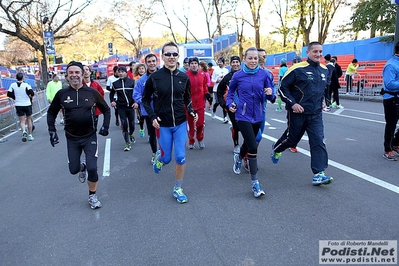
<point>115,68</point>
<point>210,64</point>
<point>122,68</point>
<point>74,63</point>
<point>234,57</point>
<point>221,59</point>
<point>327,57</point>
<point>193,59</point>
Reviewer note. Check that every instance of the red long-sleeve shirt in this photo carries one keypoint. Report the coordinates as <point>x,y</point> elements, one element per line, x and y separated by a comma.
<point>95,85</point>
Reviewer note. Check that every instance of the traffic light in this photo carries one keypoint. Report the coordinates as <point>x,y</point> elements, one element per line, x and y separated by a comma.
<point>110,48</point>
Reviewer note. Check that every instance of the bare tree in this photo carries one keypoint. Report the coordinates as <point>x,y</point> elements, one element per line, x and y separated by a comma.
<point>307,16</point>
<point>282,8</point>
<point>255,6</point>
<point>215,10</point>
<point>131,17</point>
<point>239,22</point>
<point>16,52</point>
<point>26,20</point>
<point>326,11</point>
<point>169,25</point>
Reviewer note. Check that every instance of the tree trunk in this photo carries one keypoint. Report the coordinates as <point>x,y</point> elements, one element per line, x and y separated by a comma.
<point>44,66</point>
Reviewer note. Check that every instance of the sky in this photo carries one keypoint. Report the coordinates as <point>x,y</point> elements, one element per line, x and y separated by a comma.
<point>181,7</point>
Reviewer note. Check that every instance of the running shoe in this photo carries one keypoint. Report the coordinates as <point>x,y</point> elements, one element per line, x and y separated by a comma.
<point>201,144</point>
<point>339,106</point>
<point>191,147</point>
<point>396,149</point>
<point>294,150</point>
<point>213,115</point>
<point>82,173</point>
<point>275,156</point>
<point>390,156</point>
<point>157,165</point>
<point>257,190</point>
<point>62,122</point>
<point>30,137</point>
<point>127,147</point>
<point>237,164</point>
<point>334,105</point>
<point>132,139</point>
<point>236,149</point>
<point>117,123</point>
<point>278,109</point>
<point>142,134</point>
<point>94,202</point>
<point>225,120</point>
<point>24,136</point>
<point>321,179</point>
<point>153,158</point>
<point>179,195</point>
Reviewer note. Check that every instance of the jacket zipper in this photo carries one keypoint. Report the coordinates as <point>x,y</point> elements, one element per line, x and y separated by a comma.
<point>171,101</point>
<point>123,89</point>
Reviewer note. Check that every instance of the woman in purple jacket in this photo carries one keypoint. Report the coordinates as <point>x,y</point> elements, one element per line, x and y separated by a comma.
<point>254,86</point>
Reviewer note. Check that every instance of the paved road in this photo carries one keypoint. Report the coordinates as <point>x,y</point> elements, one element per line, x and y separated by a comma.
<point>46,220</point>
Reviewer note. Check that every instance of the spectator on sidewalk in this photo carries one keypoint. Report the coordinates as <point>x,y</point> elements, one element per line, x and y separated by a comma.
<point>350,72</point>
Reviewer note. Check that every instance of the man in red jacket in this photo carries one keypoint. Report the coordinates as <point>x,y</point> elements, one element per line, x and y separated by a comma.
<point>87,81</point>
<point>199,90</point>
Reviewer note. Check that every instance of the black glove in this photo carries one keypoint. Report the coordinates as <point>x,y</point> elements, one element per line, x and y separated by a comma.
<point>53,138</point>
<point>103,131</point>
<point>193,114</point>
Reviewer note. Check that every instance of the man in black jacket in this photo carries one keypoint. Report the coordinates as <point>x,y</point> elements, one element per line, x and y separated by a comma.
<point>78,104</point>
<point>169,89</point>
<point>123,88</point>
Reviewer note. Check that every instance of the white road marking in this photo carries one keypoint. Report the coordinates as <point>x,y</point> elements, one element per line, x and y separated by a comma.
<point>349,170</point>
<point>107,158</point>
<point>342,167</point>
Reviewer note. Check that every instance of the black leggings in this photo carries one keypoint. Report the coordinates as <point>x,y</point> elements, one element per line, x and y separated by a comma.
<point>248,132</point>
<point>151,133</point>
<point>75,146</point>
<point>127,116</point>
<point>234,132</point>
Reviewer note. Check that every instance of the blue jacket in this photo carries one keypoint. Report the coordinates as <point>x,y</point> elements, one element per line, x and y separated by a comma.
<point>139,91</point>
<point>250,90</point>
<point>304,83</point>
<point>390,75</point>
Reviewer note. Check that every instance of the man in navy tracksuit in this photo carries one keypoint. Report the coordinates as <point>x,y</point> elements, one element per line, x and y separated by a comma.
<point>302,90</point>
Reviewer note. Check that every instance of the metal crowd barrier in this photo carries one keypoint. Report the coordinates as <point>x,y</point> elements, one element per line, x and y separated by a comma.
<point>8,118</point>
<point>367,86</point>
<point>370,86</point>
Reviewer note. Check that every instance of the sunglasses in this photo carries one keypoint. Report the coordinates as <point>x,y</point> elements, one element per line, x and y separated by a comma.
<point>169,54</point>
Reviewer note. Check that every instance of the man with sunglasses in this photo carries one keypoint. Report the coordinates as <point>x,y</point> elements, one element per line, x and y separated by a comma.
<point>169,90</point>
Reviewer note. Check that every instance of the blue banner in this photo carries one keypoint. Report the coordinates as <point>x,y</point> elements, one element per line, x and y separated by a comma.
<point>49,42</point>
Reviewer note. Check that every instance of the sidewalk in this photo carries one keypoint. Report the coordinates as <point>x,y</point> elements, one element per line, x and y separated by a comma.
<point>356,97</point>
